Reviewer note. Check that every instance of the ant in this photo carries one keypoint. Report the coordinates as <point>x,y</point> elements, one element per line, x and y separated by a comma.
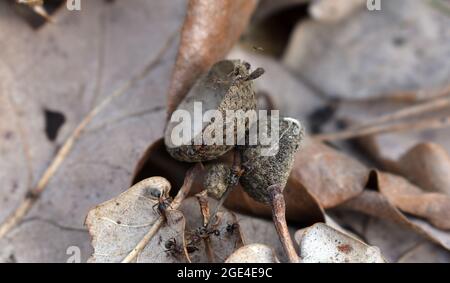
<point>232,227</point>
<point>163,202</point>
<point>173,248</point>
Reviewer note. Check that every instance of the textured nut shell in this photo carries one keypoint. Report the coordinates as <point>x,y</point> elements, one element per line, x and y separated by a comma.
<point>272,170</point>
<point>217,90</point>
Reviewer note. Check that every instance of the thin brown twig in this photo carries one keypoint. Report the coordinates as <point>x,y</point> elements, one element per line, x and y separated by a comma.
<point>181,195</point>
<point>32,196</point>
<point>413,110</point>
<point>424,124</point>
<point>235,168</point>
<point>278,206</point>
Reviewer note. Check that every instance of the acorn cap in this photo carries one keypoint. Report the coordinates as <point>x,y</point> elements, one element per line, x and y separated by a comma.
<point>267,170</point>
<point>219,89</point>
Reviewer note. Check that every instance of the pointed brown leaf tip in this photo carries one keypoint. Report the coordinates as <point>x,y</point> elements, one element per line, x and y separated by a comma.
<point>210,30</point>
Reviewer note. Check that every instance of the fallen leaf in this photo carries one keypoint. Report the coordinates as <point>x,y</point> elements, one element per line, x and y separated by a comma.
<point>321,243</point>
<point>375,204</point>
<point>427,165</point>
<point>253,253</point>
<point>118,225</point>
<point>374,54</point>
<point>330,176</point>
<point>53,71</point>
<point>425,253</point>
<point>434,207</point>
<point>209,32</point>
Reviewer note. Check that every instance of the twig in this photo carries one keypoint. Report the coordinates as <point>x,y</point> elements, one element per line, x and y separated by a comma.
<point>235,169</point>
<point>181,195</point>
<point>62,154</point>
<point>279,219</point>
<point>431,123</point>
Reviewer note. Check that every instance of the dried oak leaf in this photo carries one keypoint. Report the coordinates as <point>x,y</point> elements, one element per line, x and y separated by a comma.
<point>330,176</point>
<point>434,207</point>
<point>321,243</point>
<point>118,225</point>
<point>427,165</point>
<point>209,31</point>
<point>375,204</point>
<point>60,73</point>
<point>253,253</point>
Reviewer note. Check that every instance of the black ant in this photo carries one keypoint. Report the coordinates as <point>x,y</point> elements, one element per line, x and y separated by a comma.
<point>163,202</point>
<point>231,228</point>
<point>173,248</point>
<point>191,248</point>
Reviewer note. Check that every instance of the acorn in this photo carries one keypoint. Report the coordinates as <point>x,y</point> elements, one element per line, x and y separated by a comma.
<point>217,180</point>
<point>226,86</point>
<point>266,170</point>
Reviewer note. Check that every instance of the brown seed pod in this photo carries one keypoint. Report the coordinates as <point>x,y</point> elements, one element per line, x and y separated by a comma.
<point>217,180</point>
<point>264,171</point>
<point>227,86</point>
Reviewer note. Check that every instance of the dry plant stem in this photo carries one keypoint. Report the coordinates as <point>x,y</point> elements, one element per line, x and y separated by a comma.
<point>236,168</point>
<point>424,124</point>
<point>413,110</point>
<point>62,154</point>
<point>279,219</point>
<point>181,195</point>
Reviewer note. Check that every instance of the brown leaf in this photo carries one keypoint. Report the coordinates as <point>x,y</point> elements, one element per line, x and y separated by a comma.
<point>375,204</point>
<point>428,166</point>
<point>121,50</point>
<point>330,176</point>
<point>434,207</point>
<point>209,32</point>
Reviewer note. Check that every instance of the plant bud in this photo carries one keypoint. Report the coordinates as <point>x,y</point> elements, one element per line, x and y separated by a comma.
<point>226,86</point>
<point>265,170</point>
<point>217,180</point>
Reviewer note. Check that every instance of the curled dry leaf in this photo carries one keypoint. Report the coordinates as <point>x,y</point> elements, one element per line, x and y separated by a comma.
<point>428,166</point>
<point>330,176</point>
<point>321,243</point>
<point>209,31</point>
<point>220,240</point>
<point>253,253</point>
<point>375,204</point>
<point>61,120</point>
<point>434,207</point>
<point>118,225</point>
